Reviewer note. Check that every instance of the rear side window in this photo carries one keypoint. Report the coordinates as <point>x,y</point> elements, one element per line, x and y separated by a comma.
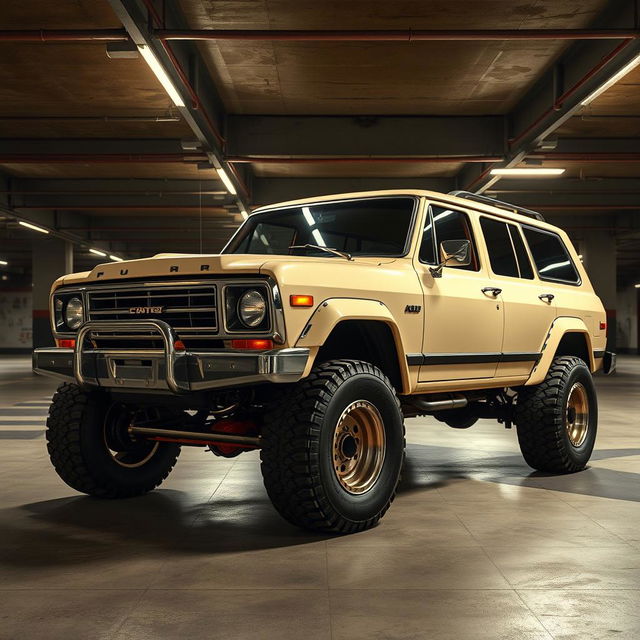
<point>446,224</point>
<point>551,256</point>
<point>501,253</point>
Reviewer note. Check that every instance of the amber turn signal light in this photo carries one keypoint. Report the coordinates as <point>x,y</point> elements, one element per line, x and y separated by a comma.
<point>301,301</point>
<point>252,344</point>
<point>66,343</point>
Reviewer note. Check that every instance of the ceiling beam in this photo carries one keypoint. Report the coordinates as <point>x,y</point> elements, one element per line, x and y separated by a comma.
<point>270,190</point>
<point>356,136</point>
<point>558,94</point>
<point>182,63</point>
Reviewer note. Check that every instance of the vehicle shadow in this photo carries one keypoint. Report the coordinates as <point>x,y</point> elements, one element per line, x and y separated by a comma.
<point>81,530</point>
<point>431,466</point>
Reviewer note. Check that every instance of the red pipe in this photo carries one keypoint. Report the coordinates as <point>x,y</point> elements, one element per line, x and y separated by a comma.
<point>361,159</point>
<point>63,35</point>
<point>397,35</point>
<point>115,158</point>
<point>116,207</point>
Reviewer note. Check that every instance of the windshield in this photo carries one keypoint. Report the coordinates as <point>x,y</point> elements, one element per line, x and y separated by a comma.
<point>373,227</point>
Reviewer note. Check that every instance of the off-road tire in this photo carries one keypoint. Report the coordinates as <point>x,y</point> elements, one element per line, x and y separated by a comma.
<point>75,441</point>
<point>541,413</point>
<point>297,451</point>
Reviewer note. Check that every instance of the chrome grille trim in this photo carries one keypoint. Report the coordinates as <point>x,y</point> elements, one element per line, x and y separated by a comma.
<point>180,306</point>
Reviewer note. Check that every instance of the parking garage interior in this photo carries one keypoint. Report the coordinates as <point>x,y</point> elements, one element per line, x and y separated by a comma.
<point>130,128</point>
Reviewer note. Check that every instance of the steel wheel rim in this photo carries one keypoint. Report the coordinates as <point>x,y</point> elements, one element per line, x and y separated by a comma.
<point>359,445</point>
<point>124,451</point>
<point>577,414</point>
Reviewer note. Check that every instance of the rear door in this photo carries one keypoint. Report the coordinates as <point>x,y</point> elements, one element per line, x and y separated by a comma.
<point>529,304</point>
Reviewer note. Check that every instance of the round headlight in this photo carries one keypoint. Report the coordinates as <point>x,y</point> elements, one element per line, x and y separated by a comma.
<point>74,313</point>
<point>252,308</point>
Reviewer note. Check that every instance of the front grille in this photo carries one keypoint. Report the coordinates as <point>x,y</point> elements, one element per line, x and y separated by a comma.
<point>189,310</point>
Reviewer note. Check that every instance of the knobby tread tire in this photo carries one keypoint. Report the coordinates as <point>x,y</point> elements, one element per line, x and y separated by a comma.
<point>69,414</point>
<point>290,437</point>
<point>540,420</point>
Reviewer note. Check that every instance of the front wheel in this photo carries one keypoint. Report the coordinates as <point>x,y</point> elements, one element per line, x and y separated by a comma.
<point>92,451</point>
<point>557,420</point>
<point>333,448</point>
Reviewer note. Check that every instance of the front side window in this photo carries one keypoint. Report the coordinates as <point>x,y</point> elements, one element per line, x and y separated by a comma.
<point>446,224</point>
<point>551,257</point>
<point>373,227</point>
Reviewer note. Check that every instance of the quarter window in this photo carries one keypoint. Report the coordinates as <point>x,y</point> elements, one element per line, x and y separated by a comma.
<point>446,224</point>
<point>550,256</point>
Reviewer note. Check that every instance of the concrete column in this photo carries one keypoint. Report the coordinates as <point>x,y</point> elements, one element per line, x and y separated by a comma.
<point>51,258</point>
<point>598,249</point>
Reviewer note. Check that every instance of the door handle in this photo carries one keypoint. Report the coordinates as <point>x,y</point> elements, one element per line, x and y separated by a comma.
<point>493,290</point>
<point>546,296</point>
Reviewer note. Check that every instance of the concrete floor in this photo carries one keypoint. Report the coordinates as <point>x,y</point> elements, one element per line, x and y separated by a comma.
<point>476,545</point>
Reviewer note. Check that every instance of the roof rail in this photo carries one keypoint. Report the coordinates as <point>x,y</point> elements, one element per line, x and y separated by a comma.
<point>467,195</point>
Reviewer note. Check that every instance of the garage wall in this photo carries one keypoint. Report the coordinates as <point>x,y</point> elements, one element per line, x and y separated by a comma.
<point>627,319</point>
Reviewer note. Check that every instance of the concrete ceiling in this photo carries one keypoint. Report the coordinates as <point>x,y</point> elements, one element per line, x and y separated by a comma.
<point>290,118</point>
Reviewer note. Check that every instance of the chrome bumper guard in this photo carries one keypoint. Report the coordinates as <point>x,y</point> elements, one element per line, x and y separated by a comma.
<point>166,369</point>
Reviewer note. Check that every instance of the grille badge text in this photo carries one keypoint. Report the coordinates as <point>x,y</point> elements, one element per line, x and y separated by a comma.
<point>141,311</point>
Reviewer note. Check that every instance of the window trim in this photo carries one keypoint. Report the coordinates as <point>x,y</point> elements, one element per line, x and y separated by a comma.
<point>525,246</point>
<point>408,239</point>
<point>564,246</point>
<point>474,242</point>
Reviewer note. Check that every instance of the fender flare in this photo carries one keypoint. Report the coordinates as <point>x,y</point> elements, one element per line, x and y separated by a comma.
<point>559,328</point>
<point>332,311</point>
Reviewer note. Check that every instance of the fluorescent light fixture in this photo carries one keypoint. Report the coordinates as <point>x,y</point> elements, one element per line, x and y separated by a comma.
<point>161,74</point>
<point>306,212</point>
<point>4,263</point>
<point>97,252</point>
<point>222,174</point>
<point>528,171</point>
<point>115,258</point>
<point>611,81</point>
<point>637,286</point>
<point>33,227</point>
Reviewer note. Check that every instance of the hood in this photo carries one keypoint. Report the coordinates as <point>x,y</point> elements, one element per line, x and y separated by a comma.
<point>181,264</point>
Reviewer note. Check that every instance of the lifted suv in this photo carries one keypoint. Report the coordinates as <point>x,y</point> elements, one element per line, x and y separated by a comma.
<point>318,329</point>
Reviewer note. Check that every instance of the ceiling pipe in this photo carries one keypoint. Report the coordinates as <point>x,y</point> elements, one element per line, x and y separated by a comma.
<point>320,35</point>
<point>587,157</point>
<point>396,35</point>
<point>361,159</point>
<point>109,158</point>
<point>116,207</point>
<point>166,118</point>
<point>64,35</point>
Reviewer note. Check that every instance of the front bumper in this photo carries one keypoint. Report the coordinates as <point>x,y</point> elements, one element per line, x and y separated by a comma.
<point>167,369</point>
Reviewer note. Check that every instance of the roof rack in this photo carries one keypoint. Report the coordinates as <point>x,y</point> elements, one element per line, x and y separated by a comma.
<point>467,195</point>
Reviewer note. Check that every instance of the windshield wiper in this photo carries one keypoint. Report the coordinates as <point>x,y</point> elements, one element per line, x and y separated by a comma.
<point>342,254</point>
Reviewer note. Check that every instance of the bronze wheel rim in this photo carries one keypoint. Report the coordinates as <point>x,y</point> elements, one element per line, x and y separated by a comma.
<point>359,445</point>
<point>577,414</point>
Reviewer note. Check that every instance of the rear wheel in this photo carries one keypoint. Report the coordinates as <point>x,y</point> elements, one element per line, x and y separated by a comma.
<point>92,451</point>
<point>333,448</point>
<point>557,420</point>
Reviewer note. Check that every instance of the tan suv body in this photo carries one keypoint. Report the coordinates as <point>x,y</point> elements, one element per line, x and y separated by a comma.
<point>460,304</point>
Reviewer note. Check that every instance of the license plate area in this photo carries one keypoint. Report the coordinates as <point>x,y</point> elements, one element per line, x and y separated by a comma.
<point>133,371</point>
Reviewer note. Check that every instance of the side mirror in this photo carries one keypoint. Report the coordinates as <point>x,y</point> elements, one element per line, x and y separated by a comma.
<point>454,253</point>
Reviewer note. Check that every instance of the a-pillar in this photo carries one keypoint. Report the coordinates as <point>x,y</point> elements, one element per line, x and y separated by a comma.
<point>51,259</point>
<point>599,257</point>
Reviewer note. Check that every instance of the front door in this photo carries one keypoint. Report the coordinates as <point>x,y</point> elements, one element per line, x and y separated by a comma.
<point>463,319</point>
